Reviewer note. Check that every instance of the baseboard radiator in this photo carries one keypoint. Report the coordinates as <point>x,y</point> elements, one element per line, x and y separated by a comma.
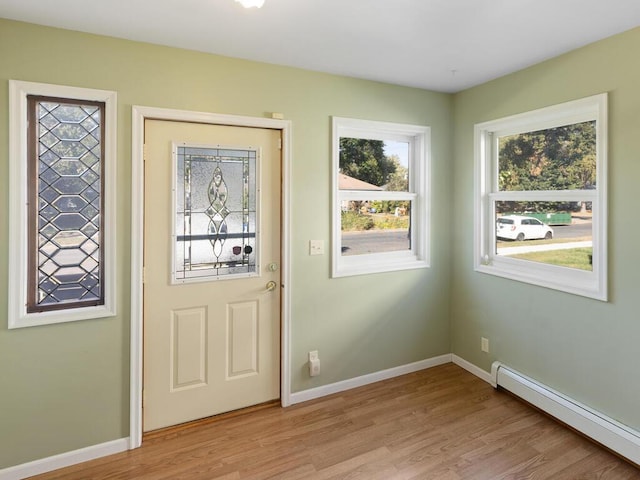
<point>612,434</point>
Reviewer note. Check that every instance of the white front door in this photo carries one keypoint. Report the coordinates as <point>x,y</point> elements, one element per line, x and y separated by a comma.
<point>212,277</point>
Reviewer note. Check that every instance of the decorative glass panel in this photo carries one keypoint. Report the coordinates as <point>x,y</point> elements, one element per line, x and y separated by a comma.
<point>215,213</point>
<point>66,164</point>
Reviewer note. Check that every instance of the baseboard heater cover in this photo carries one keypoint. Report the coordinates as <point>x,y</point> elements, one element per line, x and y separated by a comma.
<point>612,434</point>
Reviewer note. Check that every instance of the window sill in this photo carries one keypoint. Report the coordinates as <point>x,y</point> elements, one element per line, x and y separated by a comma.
<point>367,264</point>
<point>23,319</point>
<point>577,282</point>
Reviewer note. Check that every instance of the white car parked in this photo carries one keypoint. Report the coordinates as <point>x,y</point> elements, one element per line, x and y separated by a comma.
<point>519,227</point>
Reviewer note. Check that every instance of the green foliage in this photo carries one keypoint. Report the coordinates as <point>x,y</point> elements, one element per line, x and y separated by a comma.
<point>388,206</point>
<point>561,158</point>
<point>391,222</point>
<point>399,179</point>
<point>398,182</point>
<point>365,160</point>
<point>523,208</point>
<point>356,221</point>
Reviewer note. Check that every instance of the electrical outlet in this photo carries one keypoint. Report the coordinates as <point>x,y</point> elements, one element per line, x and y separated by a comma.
<point>484,344</point>
<point>314,363</point>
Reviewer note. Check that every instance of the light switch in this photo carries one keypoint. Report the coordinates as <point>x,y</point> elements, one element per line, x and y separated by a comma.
<point>316,247</point>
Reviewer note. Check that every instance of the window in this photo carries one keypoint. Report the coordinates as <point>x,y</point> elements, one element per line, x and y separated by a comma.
<point>380,204</point>
<point>62,144</point>
<point>541,197</point>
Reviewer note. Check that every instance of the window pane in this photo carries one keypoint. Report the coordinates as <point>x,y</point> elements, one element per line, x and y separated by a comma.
<point>561,158</point>
<point>375,226</point>
<point>373,165</point>
<point>557,233</point>
<point>67,164</point>
<point>215,212</point>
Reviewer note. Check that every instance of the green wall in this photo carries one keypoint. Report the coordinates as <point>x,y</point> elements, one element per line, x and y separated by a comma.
<point>66,386</point>
<point>581,347</point>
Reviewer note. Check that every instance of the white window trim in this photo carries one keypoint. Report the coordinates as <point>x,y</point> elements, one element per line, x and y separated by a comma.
<point>18,251</point>
<point>419,138</point>
<point>592,284</point>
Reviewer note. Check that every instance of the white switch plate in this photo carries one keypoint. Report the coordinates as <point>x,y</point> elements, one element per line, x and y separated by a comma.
<point>484,344</point>
<point>316,247</point>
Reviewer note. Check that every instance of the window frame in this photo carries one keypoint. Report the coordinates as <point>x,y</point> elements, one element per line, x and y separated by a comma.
<point>592,284</point>
<point>419,139</point>
<point>20,241</point>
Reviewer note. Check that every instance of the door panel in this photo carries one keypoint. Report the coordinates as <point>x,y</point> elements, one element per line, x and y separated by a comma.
<point>212,226</point>
<point>242,340</point>
<point>188,344</point>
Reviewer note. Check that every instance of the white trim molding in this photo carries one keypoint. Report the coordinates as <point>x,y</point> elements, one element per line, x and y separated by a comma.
<point>471,368</point>
<point>63,460</point>
<point>332,388</point>
<point>139,115</point>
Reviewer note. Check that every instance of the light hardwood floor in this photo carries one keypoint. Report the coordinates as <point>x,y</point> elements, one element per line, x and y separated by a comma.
<point>441,423</point>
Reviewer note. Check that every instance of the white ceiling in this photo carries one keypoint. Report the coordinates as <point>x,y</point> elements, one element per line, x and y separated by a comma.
<point>443,45</point>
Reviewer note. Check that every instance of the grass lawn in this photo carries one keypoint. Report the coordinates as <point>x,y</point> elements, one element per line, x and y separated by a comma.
<point>572,258</point>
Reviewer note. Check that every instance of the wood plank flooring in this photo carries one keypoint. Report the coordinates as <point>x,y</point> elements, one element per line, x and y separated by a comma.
<point>442,423</point>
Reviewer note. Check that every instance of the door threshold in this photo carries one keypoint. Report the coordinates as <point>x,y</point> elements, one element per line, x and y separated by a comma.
<point>175,429</point>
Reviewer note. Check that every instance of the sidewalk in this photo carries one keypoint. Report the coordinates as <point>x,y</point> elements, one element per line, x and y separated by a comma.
<point>543,248</point>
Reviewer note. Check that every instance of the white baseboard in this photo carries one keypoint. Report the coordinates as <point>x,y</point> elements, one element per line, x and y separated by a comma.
<point>471,368</point>
<point>64,460</point>
<point>620,438</point>
<point>325,390</point>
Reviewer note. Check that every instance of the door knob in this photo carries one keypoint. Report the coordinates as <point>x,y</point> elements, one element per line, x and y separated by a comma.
<point>271,286</point>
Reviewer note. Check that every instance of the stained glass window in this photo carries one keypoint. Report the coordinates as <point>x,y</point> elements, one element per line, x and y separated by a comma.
<point>65,203</point>
<point>216,214</point>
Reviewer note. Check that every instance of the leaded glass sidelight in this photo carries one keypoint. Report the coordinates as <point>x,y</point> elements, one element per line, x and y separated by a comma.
<point>215,213</point>
<point>65,203</point>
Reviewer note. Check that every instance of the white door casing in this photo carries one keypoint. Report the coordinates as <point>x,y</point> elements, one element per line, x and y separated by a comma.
<point>139,115</point>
